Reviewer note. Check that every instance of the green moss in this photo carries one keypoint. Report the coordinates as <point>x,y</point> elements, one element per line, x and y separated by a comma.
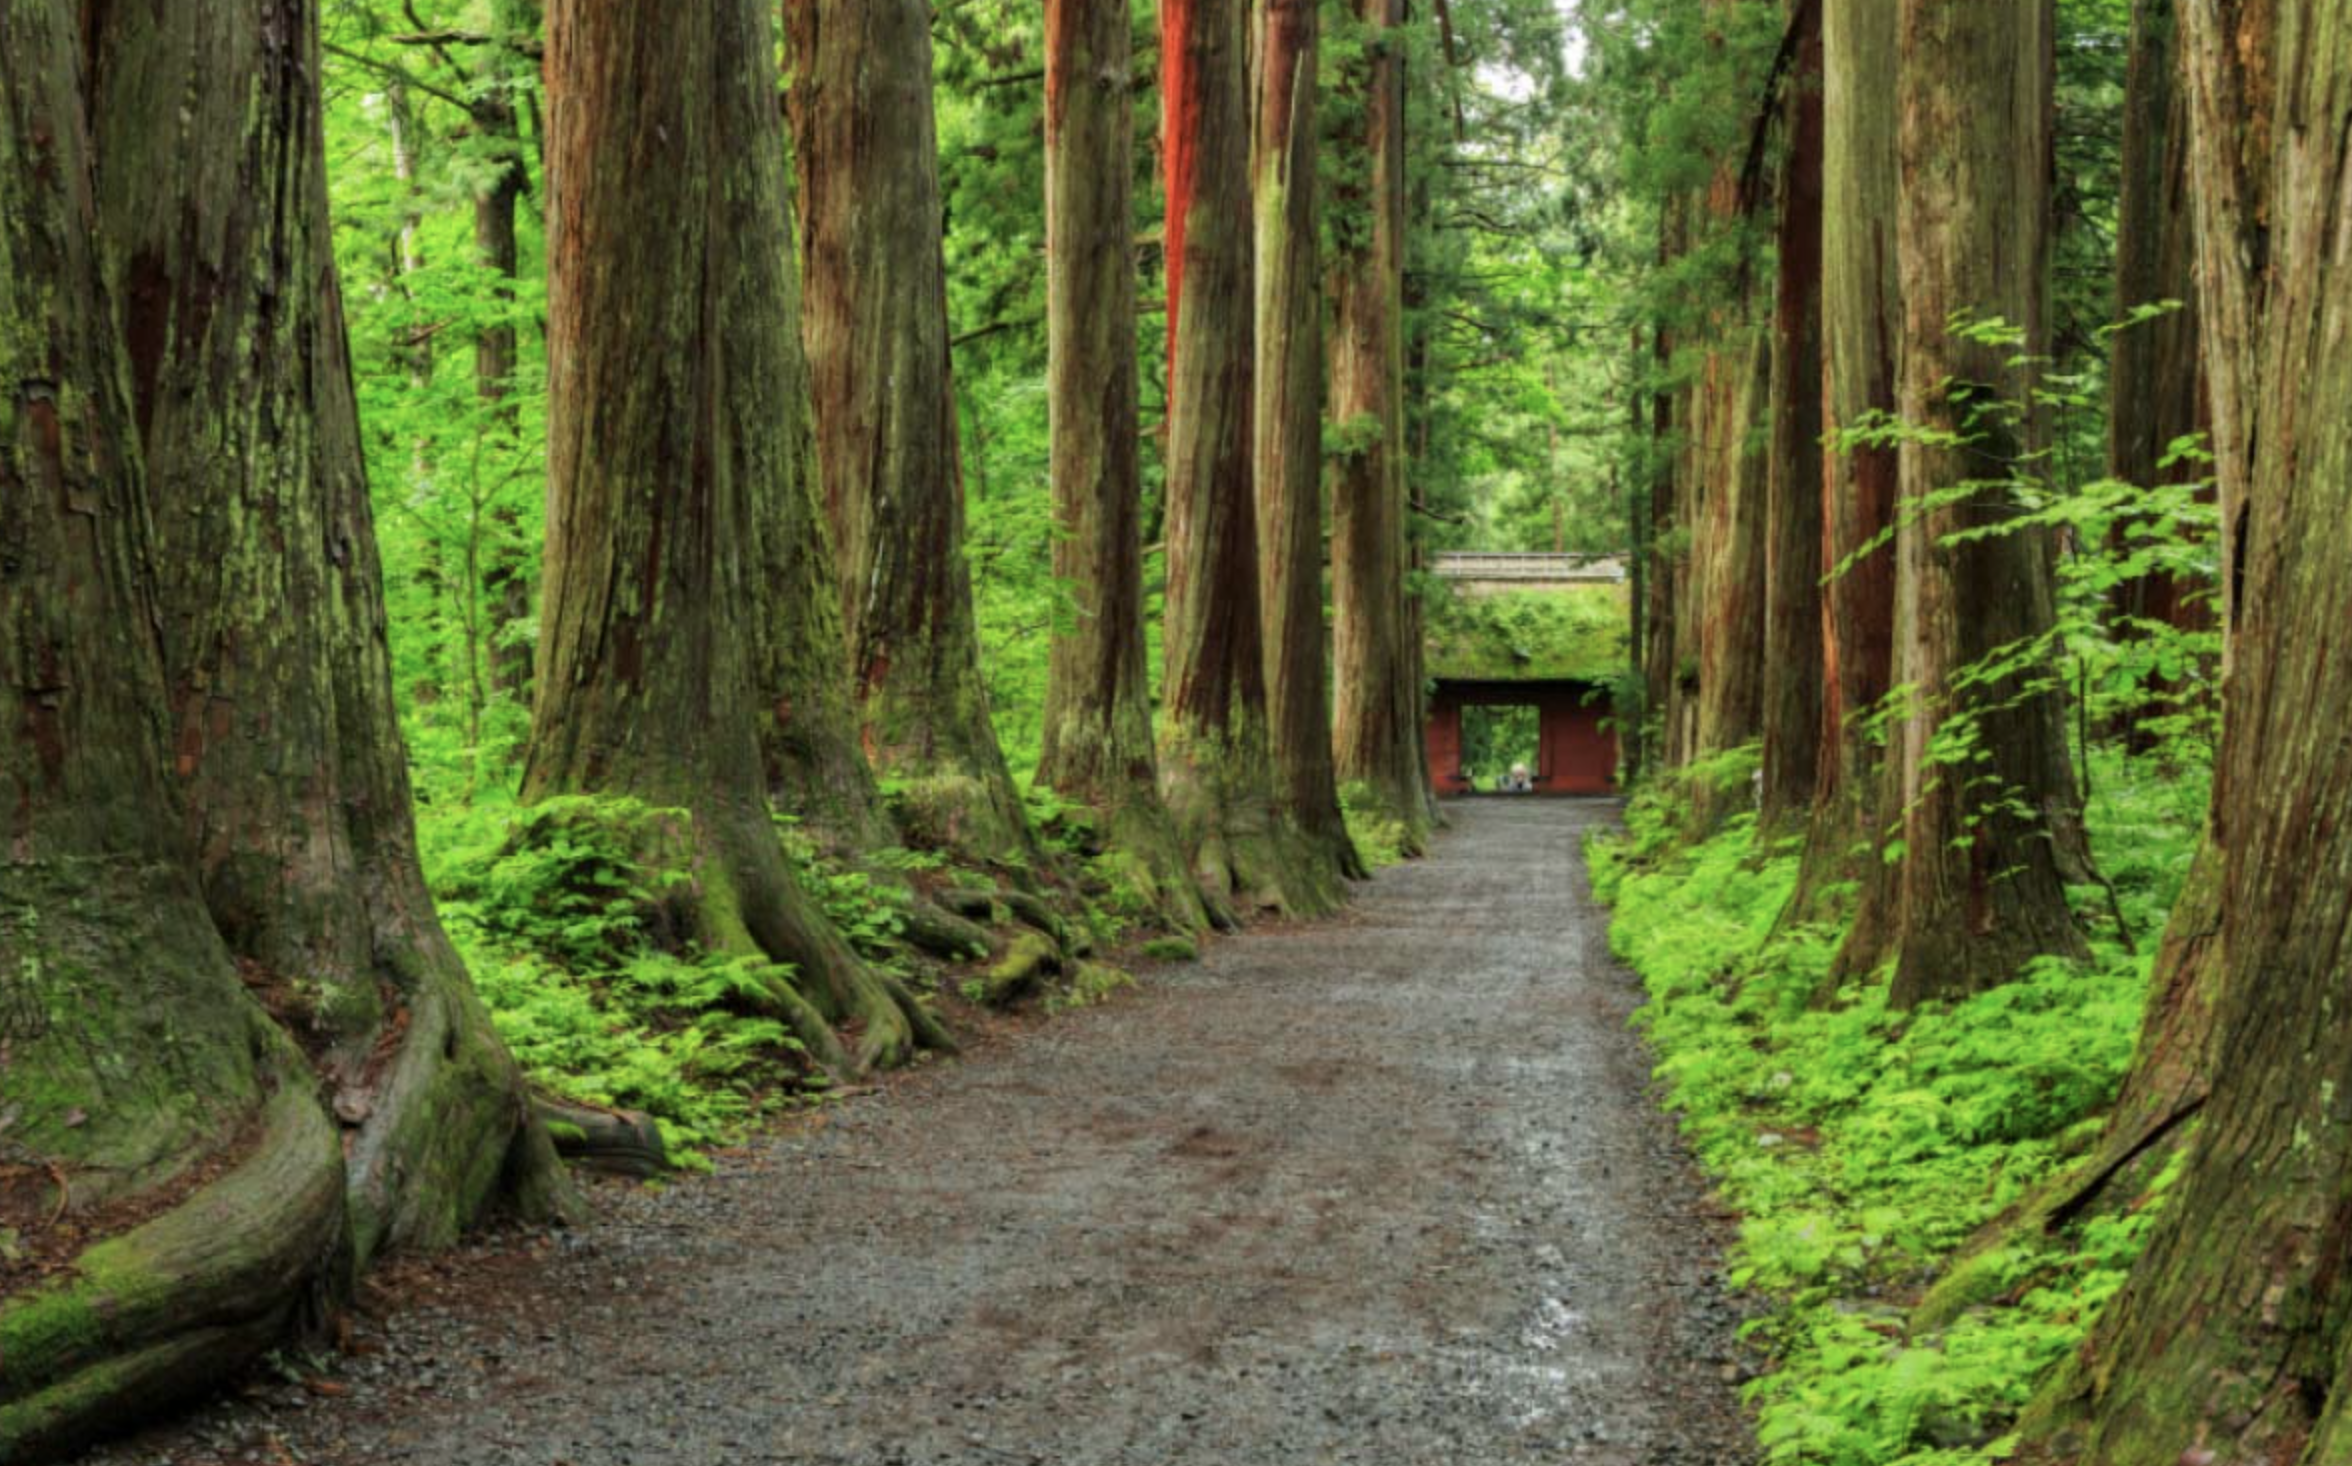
<point>1171,949</point>
<point>1581,634</point>
<point>1092,983</point>
<point>1025,963</point>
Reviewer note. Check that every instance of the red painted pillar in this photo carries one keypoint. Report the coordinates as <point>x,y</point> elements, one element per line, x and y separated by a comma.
<point>1445,745</point>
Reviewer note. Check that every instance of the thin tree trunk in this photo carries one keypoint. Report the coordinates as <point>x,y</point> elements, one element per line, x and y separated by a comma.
<point>1793,650</point>
<point>1098,718</point>
<point>1669,554</point>
<point>1986,844</point>
<point>875,323</point>
<point>1379,743</point>
<point>669,450</point>
<point>506,581</point>
<point>2225,1344</point>
<point>1288,418</point>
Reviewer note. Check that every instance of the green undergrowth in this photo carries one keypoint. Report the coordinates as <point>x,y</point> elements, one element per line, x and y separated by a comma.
<point>1378,835</point>
<point>1864,1147</point>
<point>577,918</point>
<point>576,924</point>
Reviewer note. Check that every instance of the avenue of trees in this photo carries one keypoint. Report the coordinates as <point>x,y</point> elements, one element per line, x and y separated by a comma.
<point>523,528</point>
<point>564,562</point>
<point>1993,448</point>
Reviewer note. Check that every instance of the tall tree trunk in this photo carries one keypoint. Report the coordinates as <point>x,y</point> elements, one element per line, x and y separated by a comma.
<point>215,206</point>
<point>1216,769</point>
<point>670,447</point>
<point>810,746</point>
<point>1098,718</point>
<point>1669,554</point>
<point>208,798</point>
<point>506,579</point>
<point>2226,1343</point>
<point>1793,622</point>
<point>1862,337</point>
<point>1987,842</point>
<point>1729,399</point>
<point>1379,743</point>
<point>1288,418</point>
<point>1733,392</point>
<point>875,323</point>
<point>2155,380</point>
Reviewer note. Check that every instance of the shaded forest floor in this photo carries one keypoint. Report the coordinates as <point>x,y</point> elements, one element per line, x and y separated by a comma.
<point>1388,1189</point>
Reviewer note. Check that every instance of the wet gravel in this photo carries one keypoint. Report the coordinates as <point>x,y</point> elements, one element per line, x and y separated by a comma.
<point>1385,1190</point>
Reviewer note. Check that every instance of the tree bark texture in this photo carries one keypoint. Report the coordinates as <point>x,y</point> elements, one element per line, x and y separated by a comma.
<point>1288,422</point>
<point>1862,337</point>
<point>1729,400</point>
<point>161,869</point>
<point>1098,737</point>
<point>1380,742</point>
<point>2226,1343</point>
<point>875,322</point>
<point>285,739</point>
<point>670,462</point>
<point>1216,770</point>
<point>1987,840</point>
<point>1793,519</point>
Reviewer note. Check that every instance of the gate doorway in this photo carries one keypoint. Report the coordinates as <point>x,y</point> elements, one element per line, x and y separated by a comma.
<point>1562,724</point>
<point>1497,738</point>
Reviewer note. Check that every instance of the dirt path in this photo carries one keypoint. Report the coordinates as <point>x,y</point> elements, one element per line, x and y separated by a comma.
<point>1382,1191</point>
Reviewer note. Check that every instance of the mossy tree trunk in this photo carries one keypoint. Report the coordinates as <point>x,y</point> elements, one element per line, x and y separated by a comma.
<point>1288,423</point>
<point>1098,719</point>
<point>1793,529</point>
<point>1380,738</point>
<point>208,798</point>
<point>875,323</point>
<point>2226,1344</point>
<point>1862,338</point>
<point>1732,394</point>
<point>1216,769</point>
<point>670,455</point>
<point>1990,823</point>
<point>212,172</point>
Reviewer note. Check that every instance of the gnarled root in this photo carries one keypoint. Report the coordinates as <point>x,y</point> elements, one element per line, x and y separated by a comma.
<point>155,1316</point>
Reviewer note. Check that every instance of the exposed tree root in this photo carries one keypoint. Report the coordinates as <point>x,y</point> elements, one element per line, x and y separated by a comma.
<point>153,1317</point>
<point>1247,858</point>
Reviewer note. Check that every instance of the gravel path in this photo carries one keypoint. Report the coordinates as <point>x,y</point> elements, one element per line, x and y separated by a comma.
<point>1385,1190</point>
